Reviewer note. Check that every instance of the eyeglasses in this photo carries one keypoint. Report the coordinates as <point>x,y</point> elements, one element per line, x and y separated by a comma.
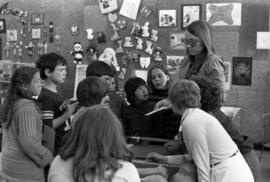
<point>191,42</point>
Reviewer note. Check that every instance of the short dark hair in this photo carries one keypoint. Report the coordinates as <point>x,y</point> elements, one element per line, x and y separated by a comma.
<point>49,61</point>
<point>99,68</point>
<point>211,93</point>
<point>91,91</point>
<point>131,86</point>
<point>185,94</point>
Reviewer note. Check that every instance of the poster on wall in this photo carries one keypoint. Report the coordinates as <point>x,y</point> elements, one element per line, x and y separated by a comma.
<point>130,8</point>
<point>223,14</point>
<point>80,74</point>
<point>242,71</point>
<point>107,6</point>
<point>228,75</point>
<point>173,63</point>
<point>190,13</point>
<point>263,40</point>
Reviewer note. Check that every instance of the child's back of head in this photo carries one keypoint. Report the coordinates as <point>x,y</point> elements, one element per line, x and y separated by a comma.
<point>49,61</point>
<point>91,91</point>
<point>99,68</point>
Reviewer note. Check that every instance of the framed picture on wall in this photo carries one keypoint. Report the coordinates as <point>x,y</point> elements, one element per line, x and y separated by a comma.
<point>2,25</point>
<point>176,41</point>
<point>37,18</point>
<point>190,13</point>
<point>242,71</point>
<point>167,18</point>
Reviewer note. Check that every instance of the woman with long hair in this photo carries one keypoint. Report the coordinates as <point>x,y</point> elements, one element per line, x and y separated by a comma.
<point>94,151</point>
<point>23,155</point>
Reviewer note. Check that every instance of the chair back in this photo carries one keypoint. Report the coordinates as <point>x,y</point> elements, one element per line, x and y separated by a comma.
<point>266,127</point>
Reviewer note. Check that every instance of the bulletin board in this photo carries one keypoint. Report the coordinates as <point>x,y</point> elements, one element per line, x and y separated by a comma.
<point>255,18</point>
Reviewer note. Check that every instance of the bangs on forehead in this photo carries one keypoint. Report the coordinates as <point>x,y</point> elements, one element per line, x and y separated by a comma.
<point>61,62</point>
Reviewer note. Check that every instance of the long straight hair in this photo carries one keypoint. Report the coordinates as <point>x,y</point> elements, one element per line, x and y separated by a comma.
<point>95,144</point>
<point>202,30</point>
<point>20,80</point>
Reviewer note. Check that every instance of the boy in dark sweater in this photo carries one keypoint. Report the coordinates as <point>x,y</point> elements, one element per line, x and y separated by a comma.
<point>55,109</point>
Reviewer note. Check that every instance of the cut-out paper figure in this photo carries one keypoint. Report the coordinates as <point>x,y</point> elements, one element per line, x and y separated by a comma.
<point>77,53</point>
<point>108,56</point>
<point>157,54</point>
<point>139,43</point>
<point>145,29</point>
<point>90,35</point>
<point>128,42</point>
<point>92,52</point>
<point>154,34</point>
<point>122,73</point>
<point>149,49</point>
<point>120,48</point>
<point>145,62</point>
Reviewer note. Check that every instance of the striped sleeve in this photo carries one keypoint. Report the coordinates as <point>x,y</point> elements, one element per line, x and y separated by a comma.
<point>47,117</point>
<point>27,123</point>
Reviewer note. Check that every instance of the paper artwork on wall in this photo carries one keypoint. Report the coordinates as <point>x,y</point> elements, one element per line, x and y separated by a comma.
<point>130,8</point>
<point>263,40</point>
<point>223,14</point>
<point>36,33</point>
<point>12,35</point>
<point>173,63</point>
<point>242,71</point>
<point>190,13</point>
<point>142,74</point>
<point>176,41</point>
<point>80,74</point>
<point>228,75</point>
<point>167,18</point>
<point>107,6</point>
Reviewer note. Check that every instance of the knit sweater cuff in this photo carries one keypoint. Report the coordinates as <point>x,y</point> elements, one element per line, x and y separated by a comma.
<point>47,159</point>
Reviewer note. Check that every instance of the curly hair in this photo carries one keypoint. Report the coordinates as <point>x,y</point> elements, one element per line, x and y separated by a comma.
<point>95,144</point>
<point>185,94</point>
<point>211,93</point>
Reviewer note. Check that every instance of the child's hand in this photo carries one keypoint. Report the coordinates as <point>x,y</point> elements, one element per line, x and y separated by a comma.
<point>153,156</point>
<point>172,147</point>
<point>154,178</point>
<point>163,103</point>
<point>163,171</point>
<point>71,107</point>
<point>105,101</point>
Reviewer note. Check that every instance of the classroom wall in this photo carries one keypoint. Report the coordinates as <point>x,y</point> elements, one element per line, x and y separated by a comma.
<point>230,42</point>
